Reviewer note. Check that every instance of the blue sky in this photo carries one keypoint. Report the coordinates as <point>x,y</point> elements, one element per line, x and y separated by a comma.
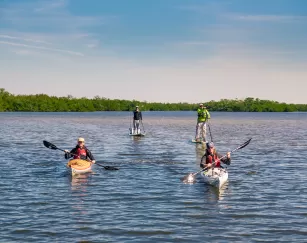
<point>155,50</point>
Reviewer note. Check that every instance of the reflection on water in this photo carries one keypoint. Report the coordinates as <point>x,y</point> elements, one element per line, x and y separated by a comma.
<point>137,139</point>
<point>79,188</point>
<point>199,151</point>
<point>214,194</point>
<point>79,182</point>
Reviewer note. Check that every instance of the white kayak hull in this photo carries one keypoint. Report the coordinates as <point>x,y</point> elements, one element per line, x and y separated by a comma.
<point>74,171</point>
<point>216,177</point>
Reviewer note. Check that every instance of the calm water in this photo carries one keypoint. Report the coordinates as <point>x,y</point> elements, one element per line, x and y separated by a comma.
<point>145,201</point>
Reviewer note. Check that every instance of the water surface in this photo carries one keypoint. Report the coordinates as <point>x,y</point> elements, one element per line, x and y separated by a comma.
<point>145,201</point>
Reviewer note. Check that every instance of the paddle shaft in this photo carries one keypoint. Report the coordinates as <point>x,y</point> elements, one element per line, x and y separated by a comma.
<point>240,147</point>
<point>131,122</point>
<point>142,125</point>
<point>81,156</point>
<point>194,174</point>
<point>52,146</point>
<point>84,158</point>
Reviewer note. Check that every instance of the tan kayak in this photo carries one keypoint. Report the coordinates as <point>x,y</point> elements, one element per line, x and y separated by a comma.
<point>79,166</point>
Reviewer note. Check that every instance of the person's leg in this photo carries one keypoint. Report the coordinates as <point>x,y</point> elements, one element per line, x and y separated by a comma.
<point>134,126</point>
<point>197,132</point>
<point>137,126</point>
<point>204,130</point>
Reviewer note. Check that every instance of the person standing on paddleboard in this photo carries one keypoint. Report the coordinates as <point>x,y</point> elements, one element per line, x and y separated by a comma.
<point>80,151</point>
<point>211,156</point>
<point>137,117</point>
<point>203,116</point>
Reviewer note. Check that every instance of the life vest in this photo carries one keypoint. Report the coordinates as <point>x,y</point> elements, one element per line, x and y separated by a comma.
<point>203,115</point>
<point>79,152</point>
<point>210,160</point>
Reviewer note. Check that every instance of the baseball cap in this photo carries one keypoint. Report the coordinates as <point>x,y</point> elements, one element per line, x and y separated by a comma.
<point>80,139</point>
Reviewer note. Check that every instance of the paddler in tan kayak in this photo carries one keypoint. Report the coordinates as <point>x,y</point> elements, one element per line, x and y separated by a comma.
<point>80,152</point>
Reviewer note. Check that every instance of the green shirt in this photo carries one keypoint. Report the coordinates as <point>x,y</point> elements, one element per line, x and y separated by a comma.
<point>203,115</point>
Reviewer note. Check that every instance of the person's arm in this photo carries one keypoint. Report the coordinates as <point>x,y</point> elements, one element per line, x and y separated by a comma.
<point>203,160</point>
<point>226,160</point>
<point>208,114</point>
<point>90,156</point>
<point>141,115</point>
<point>69,154</point>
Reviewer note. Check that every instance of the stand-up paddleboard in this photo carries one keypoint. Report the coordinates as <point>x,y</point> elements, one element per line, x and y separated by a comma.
<point>137,133</point>
<point>200,142</point>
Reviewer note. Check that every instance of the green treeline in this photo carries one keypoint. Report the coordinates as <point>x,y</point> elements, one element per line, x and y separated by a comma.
<point>45,103</point>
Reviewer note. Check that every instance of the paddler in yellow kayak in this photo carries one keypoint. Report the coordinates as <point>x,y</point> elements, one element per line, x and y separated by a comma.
<point>80,151</point>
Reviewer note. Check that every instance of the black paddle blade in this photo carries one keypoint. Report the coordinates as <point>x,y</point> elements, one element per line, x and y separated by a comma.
<point>188,179</point>
<point>110,168</point>
<point>50,145</point>
<point>245,144</point>
<point>107,167</point>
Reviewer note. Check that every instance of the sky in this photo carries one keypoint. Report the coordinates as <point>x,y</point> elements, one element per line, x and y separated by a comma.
<point>155,50</point>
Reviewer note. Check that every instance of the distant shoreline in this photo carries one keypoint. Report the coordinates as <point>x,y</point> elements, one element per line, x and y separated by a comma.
<point>45,103</point>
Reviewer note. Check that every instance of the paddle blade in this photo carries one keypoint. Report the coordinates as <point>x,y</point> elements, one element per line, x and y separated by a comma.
<point>107,167</point>
<point>189,178</point>
<point>110,168</point>
<point>50,145</point>
<point>245,144</point>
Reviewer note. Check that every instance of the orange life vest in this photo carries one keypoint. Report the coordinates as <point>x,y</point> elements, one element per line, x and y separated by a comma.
<point>215,159</point>
<point>79,152</point>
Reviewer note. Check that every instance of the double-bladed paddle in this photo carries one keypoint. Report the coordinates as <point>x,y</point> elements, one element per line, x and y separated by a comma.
<point>191,176</point>
<point>52,146</point>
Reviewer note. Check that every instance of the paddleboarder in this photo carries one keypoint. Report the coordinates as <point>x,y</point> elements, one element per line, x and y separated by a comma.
<point>80,150</point>
<point>137,117</point>
<point>203,116</point>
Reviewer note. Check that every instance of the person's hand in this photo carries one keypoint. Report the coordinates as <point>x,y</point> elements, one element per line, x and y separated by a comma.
<point>228,155</point>
<point>208,165</point>
<point>66,151</point>
<point>93,161</point>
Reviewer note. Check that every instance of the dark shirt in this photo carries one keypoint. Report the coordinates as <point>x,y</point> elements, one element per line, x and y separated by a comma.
<point>74,151</point>
<point>137,115</point>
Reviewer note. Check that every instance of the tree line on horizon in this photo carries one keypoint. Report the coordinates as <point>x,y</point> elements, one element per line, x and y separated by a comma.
<point>44,103</point>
